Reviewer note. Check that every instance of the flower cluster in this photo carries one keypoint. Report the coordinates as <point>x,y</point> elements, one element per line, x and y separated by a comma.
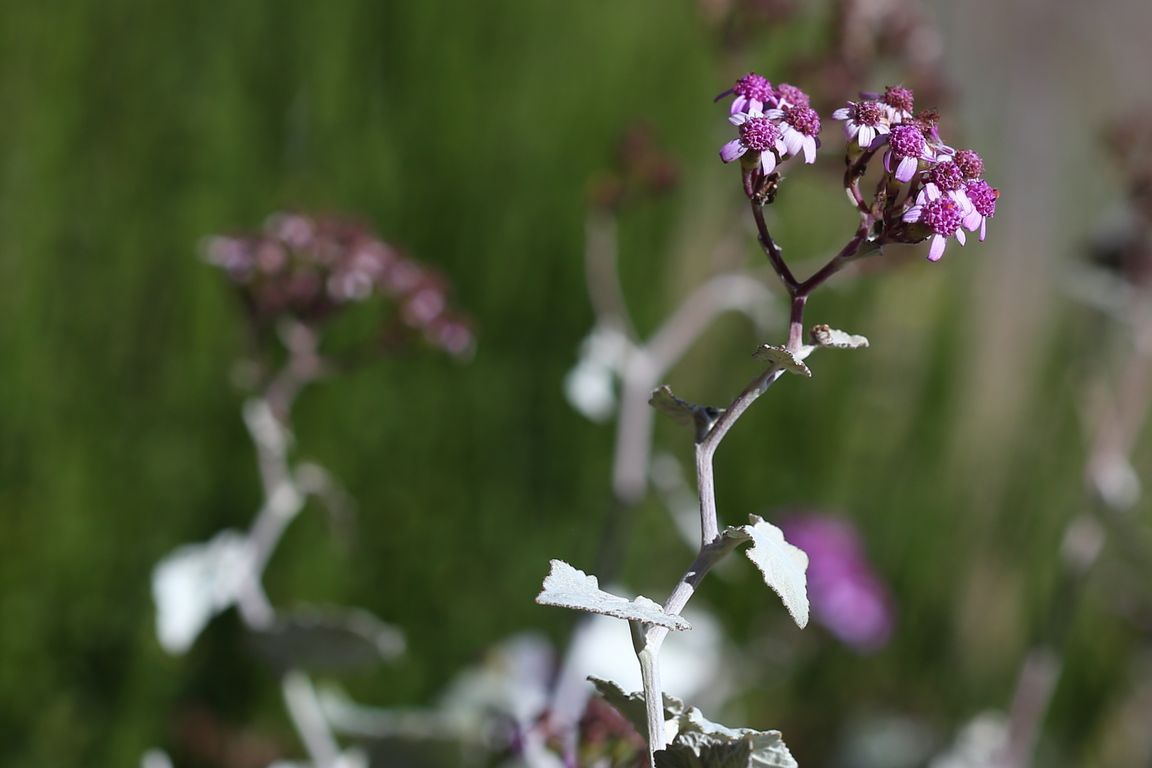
<point>927,190</point>
<point>306,268</point>
<point>767,136</point>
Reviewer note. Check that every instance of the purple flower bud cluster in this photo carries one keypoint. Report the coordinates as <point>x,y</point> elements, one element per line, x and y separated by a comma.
<point>928,190</point>
<point>308,267</point>
<point>847,596</point>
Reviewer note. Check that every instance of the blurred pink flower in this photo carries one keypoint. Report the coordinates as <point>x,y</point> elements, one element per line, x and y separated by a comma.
<point>846,595</point>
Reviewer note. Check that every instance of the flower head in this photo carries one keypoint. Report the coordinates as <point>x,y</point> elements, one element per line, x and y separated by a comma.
<point>947,177</point>
<point>906,147</point>
<point>752,92</point>
<point>942,215</point>
<point>983,196</point>
<point>899,103</point>
<point>786,95</point>
<point>800,128</point>
<point>760,136</point>
<point>864,120</point>
<point>970,164</point>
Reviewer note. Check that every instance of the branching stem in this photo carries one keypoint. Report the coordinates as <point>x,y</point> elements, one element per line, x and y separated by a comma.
<point>714,546</point>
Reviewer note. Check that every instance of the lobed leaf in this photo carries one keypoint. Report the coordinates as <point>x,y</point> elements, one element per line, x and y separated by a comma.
<point>568,587</point>
<point>328,639</point>
<point>783,566</point>
<point>783,358</point>
<point>631,705</point>
<point>700,743</point>
<point>824,336</point>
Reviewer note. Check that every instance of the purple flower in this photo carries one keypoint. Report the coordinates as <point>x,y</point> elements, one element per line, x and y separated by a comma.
<point>940,213</point>
<point>752,92</point>
<point>846,595</point>
<point>800,128</point>
<point>865,120</point>
<point>947,177</point>
<point>970,164</point>
<point>759,135</point>
<point>983,196</point>
<point>906,147</point>
<point>899,103</point>
<point>785,95</point>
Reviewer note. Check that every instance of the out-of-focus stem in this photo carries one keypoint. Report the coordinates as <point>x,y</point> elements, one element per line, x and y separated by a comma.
<point>602,273</point>
<point>308,717</point>
<point>267,418</point>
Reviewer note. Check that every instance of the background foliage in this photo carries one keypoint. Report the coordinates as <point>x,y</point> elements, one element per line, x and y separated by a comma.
<point>467,133</point>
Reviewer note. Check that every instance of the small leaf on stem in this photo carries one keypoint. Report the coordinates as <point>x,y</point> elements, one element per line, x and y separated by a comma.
<point>783,358</point>
<point>328,639</point>
<point>823,336</point>
<point>631,705</point>
<point>687,414</point>
<point>700,743</point>
<point>783,566</point>
<point>568,587</point>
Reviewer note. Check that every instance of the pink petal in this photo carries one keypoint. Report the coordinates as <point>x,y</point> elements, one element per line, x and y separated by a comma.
<point>793,140</point>
<point>931,191</point>
<point>973,220</point>
<point>937,249</point>
<point>983,227</point>
<point>732,150</point>
<point>960,236</point>
<point>757,105</point>
<point>738,104</point>
<point>906,170</point>
<point>841,114</point>
<point>912,215</point>
<point>867,134</point>
<point>809,149</point>
<point>767,161</point>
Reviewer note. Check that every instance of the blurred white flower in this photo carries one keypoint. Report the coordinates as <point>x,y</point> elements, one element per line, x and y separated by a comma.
<point>590,386</point>
<point>194,583</point>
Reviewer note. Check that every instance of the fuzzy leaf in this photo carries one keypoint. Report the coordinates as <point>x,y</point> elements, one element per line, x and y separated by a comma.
<point>687,414</point>
<point>700,743</point>
<point>194,583</point>
<point>783,566</point>
<point>631,705</point>
<point>680,411</point>
<point>823,336</point>
<point>568,587</point>
<point>328,639</point>
<point>783,358</point>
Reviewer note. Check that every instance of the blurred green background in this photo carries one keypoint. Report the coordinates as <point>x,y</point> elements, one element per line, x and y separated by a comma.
<point>467,133</point>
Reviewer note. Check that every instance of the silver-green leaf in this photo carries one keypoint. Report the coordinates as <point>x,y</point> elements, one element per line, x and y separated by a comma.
<point>782,358</point>
<point>783,566</point>
<point>568,587</point>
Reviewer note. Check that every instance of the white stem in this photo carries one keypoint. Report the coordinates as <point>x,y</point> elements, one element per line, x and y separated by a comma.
<point>654,700</point>
<point>308,717</point>
<point>713,548</point>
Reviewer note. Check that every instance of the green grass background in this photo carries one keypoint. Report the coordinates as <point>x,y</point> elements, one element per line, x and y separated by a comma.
<point>467,132</point>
